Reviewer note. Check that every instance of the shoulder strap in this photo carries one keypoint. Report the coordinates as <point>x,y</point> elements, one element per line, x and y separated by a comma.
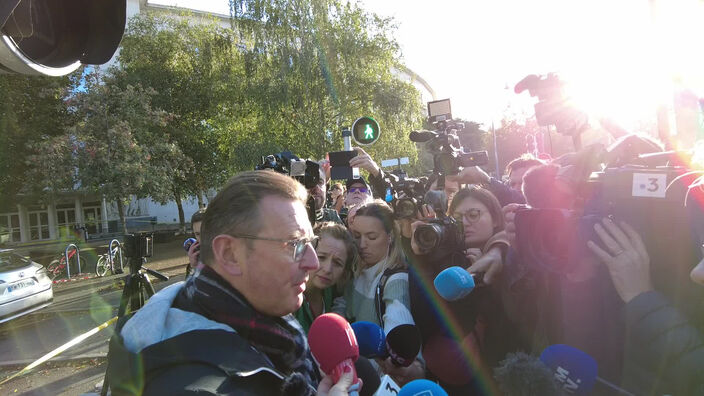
<point>379,297</point>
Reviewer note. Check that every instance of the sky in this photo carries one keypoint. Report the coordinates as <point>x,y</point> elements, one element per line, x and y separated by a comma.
<point>620,57</point>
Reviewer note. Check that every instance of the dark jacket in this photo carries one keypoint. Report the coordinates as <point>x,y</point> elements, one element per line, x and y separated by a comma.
<point>163,350</point>
<point>664,352</point>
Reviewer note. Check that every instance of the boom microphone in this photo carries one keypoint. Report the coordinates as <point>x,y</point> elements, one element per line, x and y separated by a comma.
<point>455,283</point>
<point>575,370</point>
<point>422,387</point>
<point>370,338</point>
<point>334,346</point>
<point>403,344</point>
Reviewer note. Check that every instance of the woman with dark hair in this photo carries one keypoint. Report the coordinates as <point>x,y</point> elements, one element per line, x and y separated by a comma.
<point>338,258</point>
<point>464,337</point>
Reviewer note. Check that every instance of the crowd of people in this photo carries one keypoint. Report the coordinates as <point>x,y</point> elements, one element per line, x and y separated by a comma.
<point>262,273</point>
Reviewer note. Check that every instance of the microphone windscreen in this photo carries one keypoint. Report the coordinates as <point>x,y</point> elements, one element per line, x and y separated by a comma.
<point>454,283</point>
<point>422,387</point>
<point>523,374</point>
<point>573,369</point>
<point>447,359</point>
<point>403,344</point>
<point>370,338</point>
<point>332,341</point>
<point>369,376</point>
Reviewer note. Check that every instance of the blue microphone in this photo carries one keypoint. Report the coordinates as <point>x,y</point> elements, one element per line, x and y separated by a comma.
<point>574,370</point>
<point>422,387</point>
<point>455,283</point>
<point>370,338</point>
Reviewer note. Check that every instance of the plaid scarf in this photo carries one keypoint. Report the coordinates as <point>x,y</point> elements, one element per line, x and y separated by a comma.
<point>281,339</point>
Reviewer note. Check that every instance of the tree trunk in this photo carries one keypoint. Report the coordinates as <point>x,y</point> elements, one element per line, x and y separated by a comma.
<point>201,202</point>
<point>121,212</point>
<point>181,216</point>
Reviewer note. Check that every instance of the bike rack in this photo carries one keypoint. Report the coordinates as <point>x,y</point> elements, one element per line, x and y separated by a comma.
<point>118,246</point>
<point>78,259</point>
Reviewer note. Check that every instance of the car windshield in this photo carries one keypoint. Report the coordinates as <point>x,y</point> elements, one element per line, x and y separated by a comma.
<point>12,261</point>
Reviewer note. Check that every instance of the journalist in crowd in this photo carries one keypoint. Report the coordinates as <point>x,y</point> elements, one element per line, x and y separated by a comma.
<point>379,291</point>
<point>478,324</point>
<point>338,259</point>
<point>229,328</point>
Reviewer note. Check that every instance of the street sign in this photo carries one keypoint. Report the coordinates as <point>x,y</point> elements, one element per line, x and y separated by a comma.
<point>365,131</point>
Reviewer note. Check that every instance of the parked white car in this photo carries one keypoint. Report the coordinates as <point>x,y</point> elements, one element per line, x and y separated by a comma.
<point>24,286</point>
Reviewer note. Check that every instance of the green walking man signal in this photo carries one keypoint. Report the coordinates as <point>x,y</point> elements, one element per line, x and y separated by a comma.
<point>365,130</point>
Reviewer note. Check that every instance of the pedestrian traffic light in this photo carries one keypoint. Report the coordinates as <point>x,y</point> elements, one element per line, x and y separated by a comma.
<point>365,130</point>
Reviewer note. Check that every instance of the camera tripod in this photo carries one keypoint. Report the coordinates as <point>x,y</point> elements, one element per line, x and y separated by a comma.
<point>138,289</point>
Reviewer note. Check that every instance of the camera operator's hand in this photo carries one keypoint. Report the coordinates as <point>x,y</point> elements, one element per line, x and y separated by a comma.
<point>470,175</point>
<point>325,166</point>
<point>490,264</point>
<point>365,161</point>
<point>194,254</point>
<point>402,375</point>
<point>509,212</point>
<point>427,213</point>
<point>625,256</point>
<point>341,388</point>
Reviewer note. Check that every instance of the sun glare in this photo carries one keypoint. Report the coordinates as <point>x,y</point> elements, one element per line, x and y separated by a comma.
<point>637,60</point>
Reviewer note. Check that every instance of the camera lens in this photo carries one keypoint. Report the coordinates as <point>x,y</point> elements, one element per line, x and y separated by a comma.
<point>428,236</point>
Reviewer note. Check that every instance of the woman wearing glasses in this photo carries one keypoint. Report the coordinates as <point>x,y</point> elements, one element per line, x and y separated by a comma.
<point>338,257</point>
<point>471,335</point>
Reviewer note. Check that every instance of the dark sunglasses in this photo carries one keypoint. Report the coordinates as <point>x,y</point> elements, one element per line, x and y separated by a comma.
<point>362,190</point>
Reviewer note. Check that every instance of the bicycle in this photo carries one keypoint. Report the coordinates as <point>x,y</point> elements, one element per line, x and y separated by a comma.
<point>57,266</point>
<point>107,262</point>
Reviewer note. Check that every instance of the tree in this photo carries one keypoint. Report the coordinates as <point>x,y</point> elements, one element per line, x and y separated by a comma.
<point>32,112</point>
<point>118,147</point>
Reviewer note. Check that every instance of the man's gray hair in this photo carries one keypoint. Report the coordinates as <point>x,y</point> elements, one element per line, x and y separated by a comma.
<point>235,209</point>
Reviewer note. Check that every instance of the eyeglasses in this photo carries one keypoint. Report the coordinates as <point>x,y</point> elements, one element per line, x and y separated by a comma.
<point>472,215</point>
<point>362,190</point>
<point>298,245</point>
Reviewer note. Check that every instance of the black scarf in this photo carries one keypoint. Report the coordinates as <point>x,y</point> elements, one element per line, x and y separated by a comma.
<point>281,339</point>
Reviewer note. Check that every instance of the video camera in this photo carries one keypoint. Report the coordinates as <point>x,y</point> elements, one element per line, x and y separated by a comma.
<point>138,246</point>
<point>448,154</point>
<point>307,172</point>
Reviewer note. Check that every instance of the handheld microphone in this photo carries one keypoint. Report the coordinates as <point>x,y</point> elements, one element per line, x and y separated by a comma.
<point>334,346</point>
<point>422,387</point>
<point>188,243</point>
<point>574,369</point>
<point>403,344</point>
<point>370,338</point>
<point>455,283</point>
<point>370,377</point>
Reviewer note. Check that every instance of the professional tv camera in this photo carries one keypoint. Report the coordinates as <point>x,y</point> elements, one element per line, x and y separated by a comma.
<point>448,155</point>
<point>53,38</point>
<point>307,172</point>
<point>637,185</point>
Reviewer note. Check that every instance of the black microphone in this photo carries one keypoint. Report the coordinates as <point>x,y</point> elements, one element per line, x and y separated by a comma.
<point>403,344</point>
<point>421,136</point>
<point>369,376</point>
<point>523,374</point>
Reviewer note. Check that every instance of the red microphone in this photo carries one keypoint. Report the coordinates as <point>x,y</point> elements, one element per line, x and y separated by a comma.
<point>334,346</point>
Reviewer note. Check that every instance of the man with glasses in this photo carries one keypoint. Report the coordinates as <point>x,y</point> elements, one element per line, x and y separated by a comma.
<point>229,328</point>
